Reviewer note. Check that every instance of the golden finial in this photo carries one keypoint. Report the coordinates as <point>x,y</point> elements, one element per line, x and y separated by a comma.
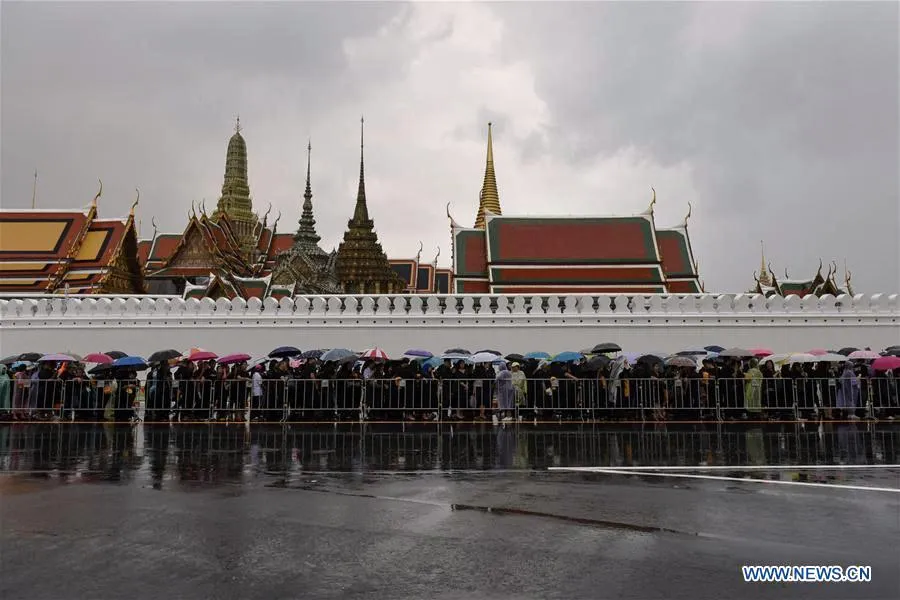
<point>153,222</point>
<point>649,210</point>
<point>99,193</point>
<point>275,224</point>
<point>203,207</point>
<point>136,201</point>
<point>193,214</point>
<point>786,276</point>
<point>436,256</point>
<point>453,223</point>
<point>237,124</point>
<point>819,272</point>
<point>419,253</point>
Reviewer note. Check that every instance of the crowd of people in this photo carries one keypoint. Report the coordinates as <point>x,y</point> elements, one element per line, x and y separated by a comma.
<point>451,387</point>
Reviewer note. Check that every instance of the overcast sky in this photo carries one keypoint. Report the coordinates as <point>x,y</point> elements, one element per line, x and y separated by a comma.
<point>776,121</point>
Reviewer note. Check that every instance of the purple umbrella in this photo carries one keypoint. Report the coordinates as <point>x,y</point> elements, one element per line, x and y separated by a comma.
<point>422,353</point>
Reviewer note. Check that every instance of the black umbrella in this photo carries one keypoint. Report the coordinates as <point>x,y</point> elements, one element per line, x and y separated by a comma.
<point>714,348</point>
<point>284,352</point>
<point>101,369</point>
<point>313,353</point>
<point>606,347</point>
<point>892,349</point>
<point>30,356</point>
<point>163,356</point>
<point>115,354</point>
<point>597,363</point>
<point>515,358</point>
<point>847,351</point>
<point>456,351</point>
<point>650,360</point>
<point>10,360</point>
<point>349,359</point>
<point>891,352</point>
<point>490,352</point>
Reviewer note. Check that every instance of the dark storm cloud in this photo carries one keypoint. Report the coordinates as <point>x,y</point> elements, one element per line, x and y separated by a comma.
<point>786,112</point>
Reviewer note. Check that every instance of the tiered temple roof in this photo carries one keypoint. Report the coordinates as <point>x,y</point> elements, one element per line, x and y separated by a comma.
<point>769,285</point>
<point>558,255</point>
<point>69,251</point>
<point>361,266</point>
<point>235,199</point>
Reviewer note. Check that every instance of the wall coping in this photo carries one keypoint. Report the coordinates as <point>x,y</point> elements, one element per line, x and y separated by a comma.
<point>461,308</point>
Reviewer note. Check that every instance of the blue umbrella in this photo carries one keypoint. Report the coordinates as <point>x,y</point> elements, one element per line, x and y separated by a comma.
<point>420,353</point>
<point>336,354</point>
<point>568,357</point>
<point>432,363</point>
<point>538,355</point>
<point>714,348</point>
<point>284,352</point>
<point>130,362</point>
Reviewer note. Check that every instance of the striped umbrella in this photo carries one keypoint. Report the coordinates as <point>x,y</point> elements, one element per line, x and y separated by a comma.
<point>375,354</point>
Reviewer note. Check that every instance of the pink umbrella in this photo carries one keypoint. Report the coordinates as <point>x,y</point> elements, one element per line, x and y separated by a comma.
<point>234,358</point>
<point>201,354</point>
<point>375,353</point>
<point>863,355</point>
<point>886,363</point>
<point>760,352</point>
<point>818,352</point>
<point>98,358</point>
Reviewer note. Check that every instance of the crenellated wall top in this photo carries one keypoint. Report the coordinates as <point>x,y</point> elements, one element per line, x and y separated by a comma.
<point>441,307</point>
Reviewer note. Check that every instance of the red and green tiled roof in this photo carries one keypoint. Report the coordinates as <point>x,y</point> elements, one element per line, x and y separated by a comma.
<point>576,289</point>
<point>596,241</point>
<point>580,275</point>
<point>470,253</point>
<point>471,286</point>
<point>675,251</point>
<point>683,286</point>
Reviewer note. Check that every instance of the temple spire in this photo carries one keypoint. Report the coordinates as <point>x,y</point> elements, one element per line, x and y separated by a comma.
<point>361,212</point>
<point>306,234</point>
<point>235,199</point>
<point>764,277</point>
<point>490,197</point>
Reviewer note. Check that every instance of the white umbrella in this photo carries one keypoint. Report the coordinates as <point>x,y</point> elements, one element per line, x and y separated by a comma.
<point>484,357</point>
<point>831,357</point>
<point>864,355</point>
<point>801,357</point>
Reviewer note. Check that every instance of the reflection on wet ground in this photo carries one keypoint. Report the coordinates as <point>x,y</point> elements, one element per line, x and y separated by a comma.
<point>471,512</point>
<point>223,454</point>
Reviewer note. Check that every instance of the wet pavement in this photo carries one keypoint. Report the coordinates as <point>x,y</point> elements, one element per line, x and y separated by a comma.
<point>466,512</point>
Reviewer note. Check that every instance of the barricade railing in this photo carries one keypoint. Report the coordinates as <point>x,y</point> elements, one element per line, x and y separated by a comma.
<point>429,399</point>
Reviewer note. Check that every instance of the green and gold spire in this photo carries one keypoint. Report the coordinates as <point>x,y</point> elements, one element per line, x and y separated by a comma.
<point>235,199</point>
<point>306,235</point>
<point>490,197</point>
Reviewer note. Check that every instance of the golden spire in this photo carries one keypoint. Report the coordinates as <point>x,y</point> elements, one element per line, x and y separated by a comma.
<point>99,193</point>
<point>237,124</point>
<point>764,277</point>
<point>135,203</point>
<point>490,197</point>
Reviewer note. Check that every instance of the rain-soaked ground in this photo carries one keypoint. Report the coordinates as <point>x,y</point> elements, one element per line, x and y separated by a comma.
<point>215,511</point>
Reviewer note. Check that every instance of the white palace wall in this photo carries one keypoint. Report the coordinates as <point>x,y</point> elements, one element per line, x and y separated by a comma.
<point>143,324</point>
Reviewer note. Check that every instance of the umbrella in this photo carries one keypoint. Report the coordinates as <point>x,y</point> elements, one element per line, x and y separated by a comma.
<point>284,351</point>
<point>457,351</point>
<point>736,353</point>
<point>605,347</point>
<point>230,359</point>
<point>650,360</point>
<point>114,354</point>
<point>455,357</point>
<point>597,363</point>
<point>515,358</point>
<point>337,354</point>
<point>681,361</point>
<point>10,360</point>
<point>163,356</point>
<point>886,363</point>
<point>714,348</point>
<point>847,351</point>
<point>56,358</point>
<point>693,352</point>
<point>21,363</point>
<point>892,352</point>
<point>801,357</point>
<point>538,355</point>
<point>130,362</point>
<point>200,354</point>
<point>313,353</point>
<point>101,369</point>
<point>375,354</point>
<point>862,355</point>
<point>568,357</point>
<point>485,357</point>
<point>761,352</point>
<point>31,356</point>
<point>817,352</point>
<point>830,357</point>
<point>98,358</point>
<point>420,353</point>
<point>496,352</point>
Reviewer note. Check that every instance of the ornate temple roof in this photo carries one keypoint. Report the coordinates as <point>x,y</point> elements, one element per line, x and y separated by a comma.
<point>48,250</point>
<point>235,199</point>
<point>679,265</point>
<point>361,264</point>
<point>818,285</point>
<point>489,200</point>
